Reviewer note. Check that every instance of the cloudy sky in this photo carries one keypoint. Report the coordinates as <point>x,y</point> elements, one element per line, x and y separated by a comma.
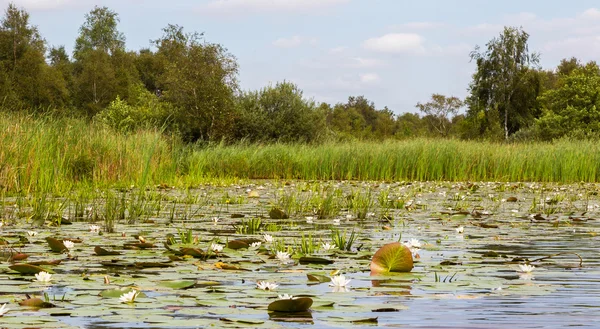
<point>394,52</point>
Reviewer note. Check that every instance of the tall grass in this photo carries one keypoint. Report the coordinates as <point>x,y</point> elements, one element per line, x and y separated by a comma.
<point>57,154</point>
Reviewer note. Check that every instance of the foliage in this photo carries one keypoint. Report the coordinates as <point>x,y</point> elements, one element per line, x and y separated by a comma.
<point>505,85</point>
<point>278,113</point>
<point>438,111</point>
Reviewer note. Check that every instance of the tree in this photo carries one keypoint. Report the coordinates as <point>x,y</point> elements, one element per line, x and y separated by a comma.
<point>502,71</point>
<point>200,79</point>
<point>26,81</point>
<point>99,32</point>
<point>279,113</point>
<point>103,69</point>
<point>573,107</point>
<point>440,111</point>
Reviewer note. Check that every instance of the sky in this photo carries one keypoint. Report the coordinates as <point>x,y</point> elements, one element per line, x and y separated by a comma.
<point>394,52</point>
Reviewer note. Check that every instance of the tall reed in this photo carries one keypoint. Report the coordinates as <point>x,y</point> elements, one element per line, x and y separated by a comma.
<point>49,154</point>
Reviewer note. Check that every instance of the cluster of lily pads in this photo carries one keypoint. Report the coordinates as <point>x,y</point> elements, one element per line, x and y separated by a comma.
<point>250,250</point>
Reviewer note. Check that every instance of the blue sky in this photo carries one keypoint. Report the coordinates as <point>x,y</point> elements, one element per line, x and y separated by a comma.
<point>394,52</point>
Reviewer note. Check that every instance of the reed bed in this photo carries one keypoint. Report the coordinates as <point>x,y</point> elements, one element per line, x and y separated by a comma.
<point>58,154</point>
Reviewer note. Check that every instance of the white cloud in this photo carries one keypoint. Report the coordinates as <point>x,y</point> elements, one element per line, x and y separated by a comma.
<point>592,13</point>
<point>369,78</point>
<point>268,6</point>
<point>40,4</point>
<point>293,42</point>
<point>395,43</point>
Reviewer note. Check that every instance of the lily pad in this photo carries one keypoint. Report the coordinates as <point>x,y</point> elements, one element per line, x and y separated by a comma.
<point>291,305</point>
<point>183,284</point>
<point>28,269</point>
<point>56,245</point>
<point>392,257</point>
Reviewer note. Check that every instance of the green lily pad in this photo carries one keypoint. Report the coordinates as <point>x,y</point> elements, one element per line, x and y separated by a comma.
<point>183,284</point>
<point>291,305</point>
<point>392,257</point>
<point>28,269</point>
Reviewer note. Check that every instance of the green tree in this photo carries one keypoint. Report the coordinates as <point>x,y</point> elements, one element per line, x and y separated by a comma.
<point>103,69</point>
<point>503,71</point>
<point>200,79</point>
<point>573,107</point>
<point>26,81</point>
<point>440,111</point>
<point>279,113</point>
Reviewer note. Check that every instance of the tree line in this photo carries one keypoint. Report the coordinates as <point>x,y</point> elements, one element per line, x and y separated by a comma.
<point>185,85</point>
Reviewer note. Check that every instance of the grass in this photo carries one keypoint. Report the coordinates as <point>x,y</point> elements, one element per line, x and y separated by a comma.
<point>47,154</point>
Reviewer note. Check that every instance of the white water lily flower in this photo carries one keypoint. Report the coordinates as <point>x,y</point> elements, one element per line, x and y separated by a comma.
<point>526,268</point>
<point>348,217</point>
<point>4,309</point>
<point>215,220</point>
<point>336,221</point>
<point>339,281</point>
<point>413,244</point>
<point>283,256</point>
<point>94,228</point>
<point>370,214</point>
<point>68,244</point>
<point>268,238</point>
<point>264,285</point>
<point>129,297</point>
<point>327,246</point>
<point>309,219</point>
<point>286,296</point>
<point>43,277</point>
<point>32,233</point>
<point>460,229</point>
<point>255,244</point>
<point>216,247</point>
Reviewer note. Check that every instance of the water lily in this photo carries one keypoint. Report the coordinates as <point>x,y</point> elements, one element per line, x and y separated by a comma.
<point>32,233</point>
<point>68,244</point>
<point>268,238</point>
<point>286,296</point>
<point>216,247</point>
<point>4,309</point>
<point>43,277</point>
<point>282,256</point>
<point>264,285</point>
<point>339,281</point>
<point>336,221</point>
<point>413,244</point>
<point>327,246</point>
<point>255,244</point>
<point>348,217</point>
<point>129,297</point>
<point>309,219</point>
<point>215,220</point>
<point>94,228</point>
<point>460,229</point>
<point>526,268</point>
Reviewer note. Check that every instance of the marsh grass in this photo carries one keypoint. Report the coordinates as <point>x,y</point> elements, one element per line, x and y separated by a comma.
<point>50,154</point>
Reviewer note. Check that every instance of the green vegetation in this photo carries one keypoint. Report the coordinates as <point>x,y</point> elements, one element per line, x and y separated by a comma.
<point>58,154</point>
<point>187,88</point>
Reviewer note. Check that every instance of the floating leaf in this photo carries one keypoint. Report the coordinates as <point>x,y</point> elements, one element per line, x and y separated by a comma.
<point>28,269</point>
<point>56,245</point>
<point>183,284</point>
<point>237,244</point>
<point>392,257</point>
<point>315,260</point>
<point>103,252</point>
<point>276,213</point>
<point>194,252</point>
<point>291,305</point>
<point>318,278</point>
<point>36,302</point>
